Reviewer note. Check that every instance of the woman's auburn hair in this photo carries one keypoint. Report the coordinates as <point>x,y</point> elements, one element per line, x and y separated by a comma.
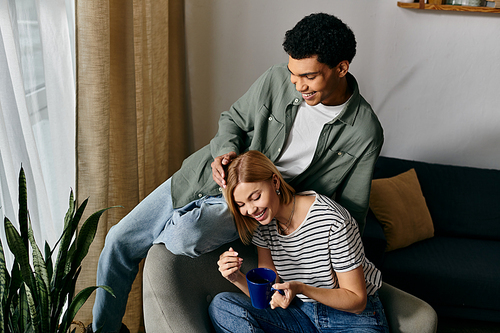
<point>252,167</point>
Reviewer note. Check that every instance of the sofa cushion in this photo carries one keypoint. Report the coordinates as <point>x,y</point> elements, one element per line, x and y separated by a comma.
<point>450,192</point>
<point>448,271</point>
<point>399,205</point>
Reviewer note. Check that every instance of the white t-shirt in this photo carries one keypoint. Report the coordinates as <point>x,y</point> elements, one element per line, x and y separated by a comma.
<point>303,138</point>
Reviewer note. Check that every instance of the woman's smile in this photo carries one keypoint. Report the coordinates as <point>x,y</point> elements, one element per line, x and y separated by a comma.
<point>260,216</point>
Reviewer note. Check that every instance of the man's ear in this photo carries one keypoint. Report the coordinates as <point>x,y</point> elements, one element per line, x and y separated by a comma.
<point>343,68</point>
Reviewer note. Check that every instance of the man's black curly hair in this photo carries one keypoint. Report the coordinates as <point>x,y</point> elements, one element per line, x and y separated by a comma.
<point>323,35</point>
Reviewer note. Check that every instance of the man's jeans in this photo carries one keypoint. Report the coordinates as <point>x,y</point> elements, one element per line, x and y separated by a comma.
<point>233,312</point>
<point>197,228</point>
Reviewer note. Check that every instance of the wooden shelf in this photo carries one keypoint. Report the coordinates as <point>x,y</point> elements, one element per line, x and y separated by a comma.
<point>416,5</point>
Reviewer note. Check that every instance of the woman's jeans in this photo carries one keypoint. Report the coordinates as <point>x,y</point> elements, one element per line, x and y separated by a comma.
<point>197,228</point>
<point>233,312</point>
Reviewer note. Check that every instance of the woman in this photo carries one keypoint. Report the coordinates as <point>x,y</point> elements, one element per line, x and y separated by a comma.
<point>313,245</point>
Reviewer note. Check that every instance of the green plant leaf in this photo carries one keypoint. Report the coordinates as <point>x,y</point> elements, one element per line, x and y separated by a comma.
<point>13,322</point>
<point>71,254</point>
<point>63,281</point>
<point>44,305</point>
<point>39,265</point>
<point>48,260</point>
<point>72,286</point>
<point>67,236</point>
<point>14,284</point>
<point>43,298</point>
<point>24,316</point>
<point>68,216</point>
<point>66,292</point>
<point>71,210</point>
<point>17,247</point>
<point>34,318</point>
<point>3,289</point>
<point>77,303</point>
<point>23,207</point>
<point>86,237</point>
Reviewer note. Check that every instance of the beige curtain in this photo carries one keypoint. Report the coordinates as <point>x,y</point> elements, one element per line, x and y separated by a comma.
<point>131,133</point>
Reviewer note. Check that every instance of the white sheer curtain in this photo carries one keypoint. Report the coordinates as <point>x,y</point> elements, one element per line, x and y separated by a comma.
<point>37,112</point>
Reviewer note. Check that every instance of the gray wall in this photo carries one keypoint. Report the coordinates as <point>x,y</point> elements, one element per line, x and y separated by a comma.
<point>433,78</point>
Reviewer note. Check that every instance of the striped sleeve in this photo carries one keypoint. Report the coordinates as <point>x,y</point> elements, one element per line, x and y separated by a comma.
<point>345,246</point>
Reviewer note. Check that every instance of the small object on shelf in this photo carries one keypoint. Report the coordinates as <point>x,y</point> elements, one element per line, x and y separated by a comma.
<point>493,3</point>
<point>473,3</point>
<point>446,7</point>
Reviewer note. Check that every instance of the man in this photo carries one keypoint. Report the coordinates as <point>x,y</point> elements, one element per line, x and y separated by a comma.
<point>307,116</point>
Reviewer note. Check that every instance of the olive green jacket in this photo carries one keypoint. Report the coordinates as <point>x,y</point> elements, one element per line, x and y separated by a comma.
<point>343,162</point>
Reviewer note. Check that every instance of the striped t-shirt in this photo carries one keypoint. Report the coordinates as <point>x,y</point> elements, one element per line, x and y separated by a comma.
<point>327,241</point>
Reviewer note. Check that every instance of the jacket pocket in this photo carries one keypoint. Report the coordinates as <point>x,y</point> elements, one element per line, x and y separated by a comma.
<point>269,134</point>
<point>339,163</point>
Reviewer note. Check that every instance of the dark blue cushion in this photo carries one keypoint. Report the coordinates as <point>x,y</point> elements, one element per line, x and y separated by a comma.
<point>462,201</point>
<point>448,271</point>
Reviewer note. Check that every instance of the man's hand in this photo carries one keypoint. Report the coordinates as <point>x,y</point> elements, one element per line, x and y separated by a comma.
<point>218,172</point>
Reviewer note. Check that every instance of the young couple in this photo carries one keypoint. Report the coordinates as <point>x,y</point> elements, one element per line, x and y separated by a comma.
<point>314,246</point>
<point>309,118</point>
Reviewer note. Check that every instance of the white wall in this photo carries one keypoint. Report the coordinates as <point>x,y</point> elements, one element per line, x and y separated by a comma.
<point>433,78</point>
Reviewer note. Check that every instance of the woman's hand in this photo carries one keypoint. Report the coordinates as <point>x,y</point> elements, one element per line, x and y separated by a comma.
<point>218,165</point>
<point>230,264</point>
<point>291,289</point>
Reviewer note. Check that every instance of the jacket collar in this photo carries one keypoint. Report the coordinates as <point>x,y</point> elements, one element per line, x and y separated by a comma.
<point>348,114</point>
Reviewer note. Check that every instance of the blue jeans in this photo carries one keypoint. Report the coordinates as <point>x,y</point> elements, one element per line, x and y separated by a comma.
<point>233,312</point>
<point>199,227</point>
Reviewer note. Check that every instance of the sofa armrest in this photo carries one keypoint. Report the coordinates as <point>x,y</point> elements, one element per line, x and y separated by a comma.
<point>177,289</point>
<point>374,240</point>
<point>407,313</point>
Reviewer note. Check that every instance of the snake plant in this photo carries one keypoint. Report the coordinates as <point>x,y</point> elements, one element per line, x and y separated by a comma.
<point>34,294</point>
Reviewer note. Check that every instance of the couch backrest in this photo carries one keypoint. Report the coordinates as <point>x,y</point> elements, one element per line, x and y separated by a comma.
<point>462,201</point>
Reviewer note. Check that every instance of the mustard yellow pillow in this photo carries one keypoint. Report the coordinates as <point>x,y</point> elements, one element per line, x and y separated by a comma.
<point>399,205</point>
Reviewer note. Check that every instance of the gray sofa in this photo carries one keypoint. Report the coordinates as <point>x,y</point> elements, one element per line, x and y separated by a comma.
<point>177,291</point>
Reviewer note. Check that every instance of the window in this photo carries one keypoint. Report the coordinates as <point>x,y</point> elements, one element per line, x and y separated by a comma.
<point>37,106</point>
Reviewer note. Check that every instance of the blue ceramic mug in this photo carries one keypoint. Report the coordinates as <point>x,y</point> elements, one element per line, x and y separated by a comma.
<point>260,281</point>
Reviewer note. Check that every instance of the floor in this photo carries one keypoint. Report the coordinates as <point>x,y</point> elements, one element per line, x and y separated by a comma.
<point>446,325</point>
